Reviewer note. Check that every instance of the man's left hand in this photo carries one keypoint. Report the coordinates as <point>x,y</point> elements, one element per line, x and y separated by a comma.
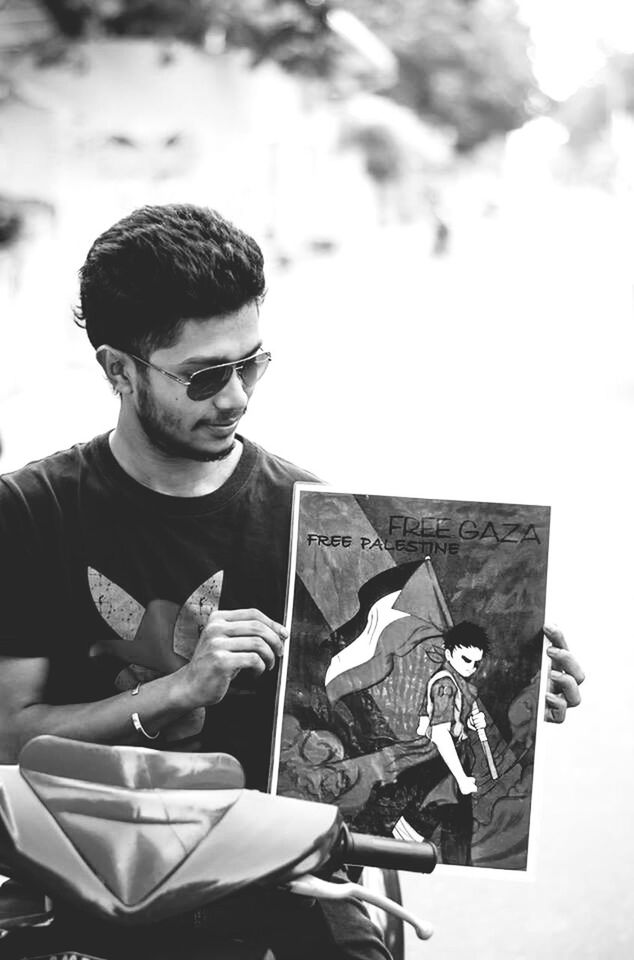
<point>564,677</point>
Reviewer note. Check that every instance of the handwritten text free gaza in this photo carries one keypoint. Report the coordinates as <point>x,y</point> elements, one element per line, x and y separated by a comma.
<point>433,534</point>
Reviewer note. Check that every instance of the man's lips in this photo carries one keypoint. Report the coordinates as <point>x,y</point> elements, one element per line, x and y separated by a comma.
<point>222,428</point>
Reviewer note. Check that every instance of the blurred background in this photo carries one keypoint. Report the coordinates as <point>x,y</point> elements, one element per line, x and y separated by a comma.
<point>444,191</point>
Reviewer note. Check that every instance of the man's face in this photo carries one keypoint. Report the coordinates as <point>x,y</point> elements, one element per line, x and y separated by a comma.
<point>464,660</point>
<point>201,430</point>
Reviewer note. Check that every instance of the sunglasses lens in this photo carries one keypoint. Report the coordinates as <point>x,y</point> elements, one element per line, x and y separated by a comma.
<point>207,383</point>
<point>251,370</point>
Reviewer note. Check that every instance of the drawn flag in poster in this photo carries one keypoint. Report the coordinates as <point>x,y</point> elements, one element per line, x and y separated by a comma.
<point>410,693</point>
<point>369,659</point>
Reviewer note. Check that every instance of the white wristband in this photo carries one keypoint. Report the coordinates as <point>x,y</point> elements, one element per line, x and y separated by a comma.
<point>138,726</point>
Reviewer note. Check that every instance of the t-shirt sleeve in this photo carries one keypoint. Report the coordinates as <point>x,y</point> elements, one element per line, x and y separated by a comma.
<point>443,695</point>
<point>22,609</point>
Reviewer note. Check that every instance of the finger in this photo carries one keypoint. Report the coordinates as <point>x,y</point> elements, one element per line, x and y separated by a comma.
<point>254,628</point>
<point>245,660</point>
<point>555,636</point>
<point>252,613</point>
<point>565,661</point>
<point>245,628</point>
<point>247,644</point>
<point>567,686</point>
<point>556,707</point>
<point>222,648</point>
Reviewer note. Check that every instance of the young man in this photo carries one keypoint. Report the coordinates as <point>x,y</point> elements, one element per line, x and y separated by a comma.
<point>144,572</point>
<point>158,553</point>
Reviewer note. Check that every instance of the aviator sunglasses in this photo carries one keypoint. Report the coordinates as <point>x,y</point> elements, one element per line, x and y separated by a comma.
<point>208,382</point>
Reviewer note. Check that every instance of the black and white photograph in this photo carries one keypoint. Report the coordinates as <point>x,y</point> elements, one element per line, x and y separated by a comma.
<point>316,397</point>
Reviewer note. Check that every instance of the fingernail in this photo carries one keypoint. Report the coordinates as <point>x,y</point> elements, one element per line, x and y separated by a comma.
<point>284,633</point>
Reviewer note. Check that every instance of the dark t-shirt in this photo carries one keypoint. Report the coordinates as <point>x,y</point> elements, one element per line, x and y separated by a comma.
<point>113,582</point>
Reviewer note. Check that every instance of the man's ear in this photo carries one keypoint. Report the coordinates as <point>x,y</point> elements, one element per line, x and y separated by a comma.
<point>117,366</point>
<point>447,655</point>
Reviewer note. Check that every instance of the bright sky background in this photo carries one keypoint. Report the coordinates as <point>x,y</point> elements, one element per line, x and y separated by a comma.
<point>570,37</point>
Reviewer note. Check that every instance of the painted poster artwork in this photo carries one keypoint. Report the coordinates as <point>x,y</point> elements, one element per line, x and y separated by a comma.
<point>410,694</point>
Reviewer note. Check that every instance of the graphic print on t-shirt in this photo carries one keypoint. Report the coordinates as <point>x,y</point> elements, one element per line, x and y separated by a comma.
<point>154,640</point>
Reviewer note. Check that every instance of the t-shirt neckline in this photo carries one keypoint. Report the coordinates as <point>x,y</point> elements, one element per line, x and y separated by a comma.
<point>167,503</point>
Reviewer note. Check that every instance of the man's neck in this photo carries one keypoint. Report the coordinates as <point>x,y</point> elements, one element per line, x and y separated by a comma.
<point>176,477</point>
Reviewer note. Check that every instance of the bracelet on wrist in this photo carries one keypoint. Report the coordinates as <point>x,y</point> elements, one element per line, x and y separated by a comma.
<point>138,726</point>
<point>136,720</point>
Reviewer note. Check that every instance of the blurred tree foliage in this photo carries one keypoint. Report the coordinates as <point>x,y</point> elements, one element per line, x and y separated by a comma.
<point>463,63</point>
<point>292,32</point>
<point>588,112</point>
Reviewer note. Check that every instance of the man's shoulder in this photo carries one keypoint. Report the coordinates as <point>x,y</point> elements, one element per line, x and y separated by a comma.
<point>280,470</point>
<point>59,469</point>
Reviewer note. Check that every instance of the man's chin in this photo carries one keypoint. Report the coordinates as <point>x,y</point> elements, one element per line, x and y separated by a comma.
<point>200,454</point>
<point>213,456</point>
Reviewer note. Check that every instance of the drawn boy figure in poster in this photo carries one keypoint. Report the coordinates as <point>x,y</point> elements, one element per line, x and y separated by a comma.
<point>433,795</point>
<point>450,704</point>
<point>415,726</point>
<point>449,708</point>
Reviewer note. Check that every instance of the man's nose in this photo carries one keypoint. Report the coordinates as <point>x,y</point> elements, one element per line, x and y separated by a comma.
<point>233,396</point>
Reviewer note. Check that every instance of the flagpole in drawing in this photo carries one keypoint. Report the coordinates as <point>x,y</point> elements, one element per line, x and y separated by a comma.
<point>486,748</point>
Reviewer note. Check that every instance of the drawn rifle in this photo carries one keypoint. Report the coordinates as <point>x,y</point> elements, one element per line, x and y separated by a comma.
<point>485,746</point>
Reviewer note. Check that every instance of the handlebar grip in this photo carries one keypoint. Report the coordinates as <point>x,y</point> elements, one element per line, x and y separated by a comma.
<point>363,850</point>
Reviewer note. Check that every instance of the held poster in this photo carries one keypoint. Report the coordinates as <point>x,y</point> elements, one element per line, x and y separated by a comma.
<point>410,692</point>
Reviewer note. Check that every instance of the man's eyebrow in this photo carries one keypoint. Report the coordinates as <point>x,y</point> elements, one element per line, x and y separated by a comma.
<point>216,361</point>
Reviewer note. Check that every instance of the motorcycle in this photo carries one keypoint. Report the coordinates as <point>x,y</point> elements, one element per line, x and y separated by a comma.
<point>120,852</point>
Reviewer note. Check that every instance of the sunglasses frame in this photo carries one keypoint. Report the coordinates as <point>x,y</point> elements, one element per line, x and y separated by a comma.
<point>231,364</point>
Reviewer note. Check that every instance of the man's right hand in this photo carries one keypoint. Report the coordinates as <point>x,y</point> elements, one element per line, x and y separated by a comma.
<point>232,640</point>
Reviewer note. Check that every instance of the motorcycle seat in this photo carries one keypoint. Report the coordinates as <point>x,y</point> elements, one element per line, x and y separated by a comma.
<point>141,834</point>
<point>134,768</point>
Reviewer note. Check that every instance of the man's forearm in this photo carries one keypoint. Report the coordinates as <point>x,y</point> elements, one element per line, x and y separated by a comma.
<point>157,703</point>
<point>232,641</point>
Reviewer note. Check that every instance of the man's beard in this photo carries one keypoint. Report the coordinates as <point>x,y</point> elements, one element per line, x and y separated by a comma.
<point>156,428</point>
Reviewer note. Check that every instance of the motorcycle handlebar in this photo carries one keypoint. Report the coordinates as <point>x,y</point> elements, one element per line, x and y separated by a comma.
<point>359,849</point>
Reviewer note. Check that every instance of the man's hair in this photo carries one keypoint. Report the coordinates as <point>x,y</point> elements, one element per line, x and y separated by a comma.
<point>466,634</point>
<point>162,265</point>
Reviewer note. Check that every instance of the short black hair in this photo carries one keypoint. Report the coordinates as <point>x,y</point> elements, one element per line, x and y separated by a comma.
<point>162,265</point>
<point>466,634</point>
